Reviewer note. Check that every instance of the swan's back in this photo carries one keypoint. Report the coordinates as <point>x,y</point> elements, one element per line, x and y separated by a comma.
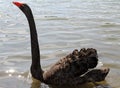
<point>72,66</point>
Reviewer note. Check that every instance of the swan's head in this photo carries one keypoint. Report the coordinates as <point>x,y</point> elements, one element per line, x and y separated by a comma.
<point>24,8</point>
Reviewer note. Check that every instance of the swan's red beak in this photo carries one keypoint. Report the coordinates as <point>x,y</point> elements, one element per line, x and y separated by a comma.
<point>18,4</point>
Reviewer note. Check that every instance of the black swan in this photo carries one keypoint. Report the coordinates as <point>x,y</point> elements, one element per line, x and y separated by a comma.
<point>70,70</point>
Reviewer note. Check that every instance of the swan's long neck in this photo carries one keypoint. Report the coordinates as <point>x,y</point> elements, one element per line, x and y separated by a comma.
<point>36,69</point>
<point>34,42</point>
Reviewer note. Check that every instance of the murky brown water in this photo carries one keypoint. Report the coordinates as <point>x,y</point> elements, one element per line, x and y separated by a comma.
<point>62,25</point>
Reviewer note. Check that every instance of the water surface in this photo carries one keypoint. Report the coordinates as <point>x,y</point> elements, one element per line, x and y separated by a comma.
<point>62,25</point>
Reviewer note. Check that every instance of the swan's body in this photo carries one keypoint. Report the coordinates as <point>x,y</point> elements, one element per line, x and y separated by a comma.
<point>68,70</point>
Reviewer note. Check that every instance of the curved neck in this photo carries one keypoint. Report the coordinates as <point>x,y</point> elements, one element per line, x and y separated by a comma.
<point>34,42</point>
<point>36,69</point>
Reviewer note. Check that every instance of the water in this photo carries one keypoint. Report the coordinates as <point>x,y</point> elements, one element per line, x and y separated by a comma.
<point>62,25</point>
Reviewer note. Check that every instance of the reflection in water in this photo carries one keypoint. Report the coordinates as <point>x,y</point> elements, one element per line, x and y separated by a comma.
<point>10,72</point>
<point>37,84</point>
<point>20,75</point>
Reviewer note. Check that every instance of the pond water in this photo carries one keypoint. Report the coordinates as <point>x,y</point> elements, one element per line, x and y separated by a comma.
<point>62,25</point>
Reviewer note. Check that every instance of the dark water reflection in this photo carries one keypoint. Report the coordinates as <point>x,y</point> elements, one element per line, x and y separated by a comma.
<point>62,25</point>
